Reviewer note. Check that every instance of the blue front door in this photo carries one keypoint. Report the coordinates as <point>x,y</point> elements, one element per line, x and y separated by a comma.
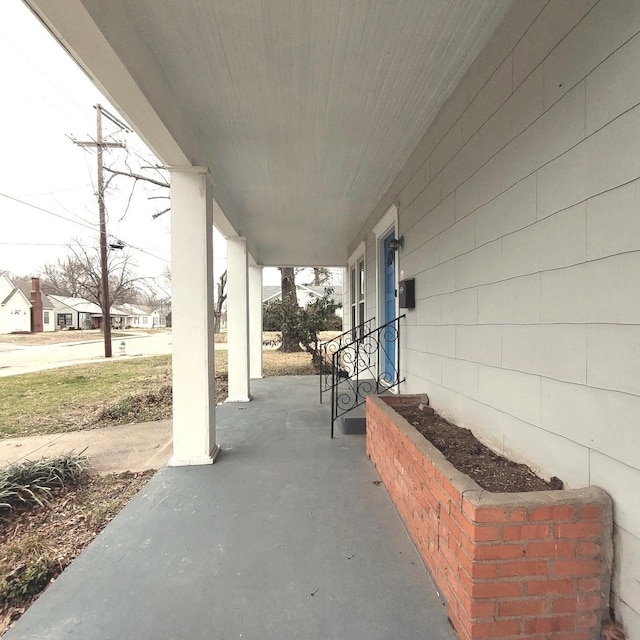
<point>389,335</point>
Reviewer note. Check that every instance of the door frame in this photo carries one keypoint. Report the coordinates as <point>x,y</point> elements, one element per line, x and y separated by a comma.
<point>387,223</point>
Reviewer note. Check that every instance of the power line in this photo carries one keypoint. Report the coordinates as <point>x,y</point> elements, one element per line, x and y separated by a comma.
<point>51,213</point>
<point>82,224</point>
<point>40,244</point>
<point>50,193</point>
<point>147,252</point>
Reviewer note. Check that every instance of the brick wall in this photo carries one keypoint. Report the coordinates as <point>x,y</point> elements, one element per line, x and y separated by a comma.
<point>36,307</point>
<point>534,565</point>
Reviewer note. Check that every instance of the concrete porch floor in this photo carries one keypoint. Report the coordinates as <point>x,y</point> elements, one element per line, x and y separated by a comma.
<point>285,537</point>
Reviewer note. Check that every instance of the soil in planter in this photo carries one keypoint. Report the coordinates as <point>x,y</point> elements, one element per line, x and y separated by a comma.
<point>464,451</point>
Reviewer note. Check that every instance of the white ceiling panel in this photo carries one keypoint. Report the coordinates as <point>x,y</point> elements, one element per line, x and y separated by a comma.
<point>304,110</point>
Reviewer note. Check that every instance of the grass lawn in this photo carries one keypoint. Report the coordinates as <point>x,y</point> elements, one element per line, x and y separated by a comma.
<point>275,363</point>
<point>71,398</point>
<point>120,391</point>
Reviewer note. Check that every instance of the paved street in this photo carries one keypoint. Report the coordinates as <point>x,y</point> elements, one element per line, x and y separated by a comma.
<point>16,359</point>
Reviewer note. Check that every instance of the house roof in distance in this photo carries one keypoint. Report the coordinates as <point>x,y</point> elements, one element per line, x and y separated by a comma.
<point>274,292</point>
<point>269,292</point>
<point>26,290</point>
<point>133,310</point>
<point>77,304</point>
<point>14,290</point>
<point>10,295</point>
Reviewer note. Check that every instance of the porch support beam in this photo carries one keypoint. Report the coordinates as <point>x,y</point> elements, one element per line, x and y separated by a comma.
<point>194,440</point>
<point>255,322</point>
<point>238,319</point>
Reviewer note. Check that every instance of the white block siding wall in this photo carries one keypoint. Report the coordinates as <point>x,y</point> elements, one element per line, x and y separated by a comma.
<point>520,210</point>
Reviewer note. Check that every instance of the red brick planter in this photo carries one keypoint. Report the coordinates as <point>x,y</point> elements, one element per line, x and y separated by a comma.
<point>509,565</point>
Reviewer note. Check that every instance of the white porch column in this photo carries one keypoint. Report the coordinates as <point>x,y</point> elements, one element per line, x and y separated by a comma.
<point>194,404</point>
<point>238,319</point>
<point>255,322</point>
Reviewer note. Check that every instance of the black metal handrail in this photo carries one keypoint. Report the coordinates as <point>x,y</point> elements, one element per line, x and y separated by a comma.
<point>328,348</point>
<point>365,366</point>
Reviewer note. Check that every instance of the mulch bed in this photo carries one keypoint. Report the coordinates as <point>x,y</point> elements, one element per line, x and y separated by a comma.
<point>46,539</point>
<point>464,451</point>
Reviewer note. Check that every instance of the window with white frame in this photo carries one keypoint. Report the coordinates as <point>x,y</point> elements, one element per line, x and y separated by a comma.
<point>352,298</point>
<point>357,286</point>
<point>361,287</point>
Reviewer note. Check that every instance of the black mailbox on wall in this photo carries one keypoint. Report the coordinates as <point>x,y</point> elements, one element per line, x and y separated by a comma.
<point>407,293</point>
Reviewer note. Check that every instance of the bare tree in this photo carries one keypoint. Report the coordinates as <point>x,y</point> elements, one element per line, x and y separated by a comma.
<point>314,276</point>
<point>79,275</point>
<point>321,275</point>
<point>290,311</point>
<point>140,170</point>
<point>221,296</point>
<point>148,297</point>
<point>65,277</point>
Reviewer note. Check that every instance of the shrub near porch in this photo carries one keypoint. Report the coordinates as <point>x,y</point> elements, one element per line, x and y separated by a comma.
<point>535,565</point>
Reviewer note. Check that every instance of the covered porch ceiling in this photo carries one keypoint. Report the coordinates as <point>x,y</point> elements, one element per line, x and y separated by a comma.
<point>303,110</point>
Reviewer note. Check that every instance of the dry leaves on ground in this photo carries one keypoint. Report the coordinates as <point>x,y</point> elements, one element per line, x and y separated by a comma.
<point>37,543</point>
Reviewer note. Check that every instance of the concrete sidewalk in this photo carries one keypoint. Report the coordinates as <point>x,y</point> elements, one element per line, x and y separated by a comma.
<point>127,447</point>
<point>288,536</point>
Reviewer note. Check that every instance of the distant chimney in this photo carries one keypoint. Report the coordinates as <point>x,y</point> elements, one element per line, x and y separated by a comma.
<point>36,307</point>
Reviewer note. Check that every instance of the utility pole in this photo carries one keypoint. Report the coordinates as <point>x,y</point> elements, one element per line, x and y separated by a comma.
<point>100,145</point>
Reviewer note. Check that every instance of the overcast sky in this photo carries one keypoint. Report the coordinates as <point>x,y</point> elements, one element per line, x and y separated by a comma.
<point>47,183</point>
<point>46,97</point>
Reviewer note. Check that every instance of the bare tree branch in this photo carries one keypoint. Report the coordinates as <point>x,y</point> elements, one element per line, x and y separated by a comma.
<point>137,176</point>
<point>126,209</point>
<point>79,276</point>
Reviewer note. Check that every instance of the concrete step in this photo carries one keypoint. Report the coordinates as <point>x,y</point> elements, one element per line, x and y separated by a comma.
<point>353,422</point>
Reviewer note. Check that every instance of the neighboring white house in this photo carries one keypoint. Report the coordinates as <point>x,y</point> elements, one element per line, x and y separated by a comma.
<point>78,313</point>
<point>15,308</point>
<point>135,317</point>
<point>306,294</point>
<point>158,317</point>
<point>74,313</point>
<point>498,142</point>
<point>48,314</point>
<point>16,315</point>
<point>143,316</point>
<point>42,309</point>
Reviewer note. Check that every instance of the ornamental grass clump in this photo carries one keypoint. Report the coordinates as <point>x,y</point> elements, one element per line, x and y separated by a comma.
<point>31,482</point>
<point>33,566</point>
